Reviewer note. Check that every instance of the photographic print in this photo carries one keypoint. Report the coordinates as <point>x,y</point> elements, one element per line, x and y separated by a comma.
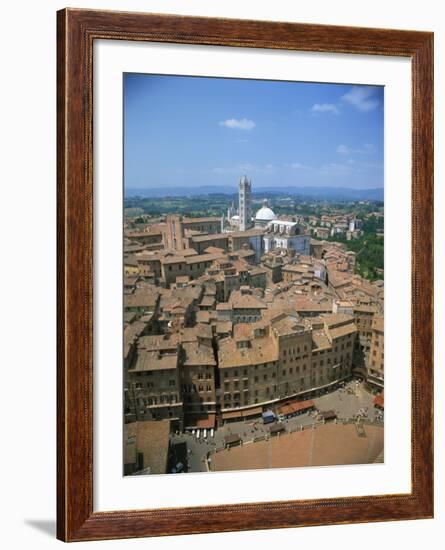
<point>221,275</point>
<point>253,274</point>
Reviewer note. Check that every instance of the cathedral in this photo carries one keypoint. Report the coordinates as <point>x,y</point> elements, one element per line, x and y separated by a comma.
<point>264,215</point>
<point>277,234</point>
<point>245,208</point>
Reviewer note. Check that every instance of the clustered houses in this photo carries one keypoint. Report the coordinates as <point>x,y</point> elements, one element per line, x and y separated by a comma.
<point>283,356</point>
<point>201,348</point>
<point>219,326</point>
<point>365,301</point>
<point>335,225</point>
<point>261,357</point>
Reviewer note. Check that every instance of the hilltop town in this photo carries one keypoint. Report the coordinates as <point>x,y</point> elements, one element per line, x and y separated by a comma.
<point>231,318</point>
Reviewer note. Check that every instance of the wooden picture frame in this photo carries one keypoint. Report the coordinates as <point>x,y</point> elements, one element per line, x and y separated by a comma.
<point>77,31</point>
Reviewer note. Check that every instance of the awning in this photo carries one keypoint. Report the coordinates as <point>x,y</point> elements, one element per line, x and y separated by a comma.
<point>295,407</point>
<point>232,439</point>
<point>379,401</point>
<point>246,413</point>
<point>276,428</point>
<point>329,415</point>
<point>257,411</point>
<point>202,422</point>
<point>231,415</point>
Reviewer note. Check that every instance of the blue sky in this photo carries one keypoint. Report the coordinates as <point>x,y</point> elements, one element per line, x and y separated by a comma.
<point>193,131</point>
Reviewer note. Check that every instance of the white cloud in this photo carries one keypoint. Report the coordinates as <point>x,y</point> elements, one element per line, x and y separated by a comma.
<point>238,123</point>
<point>362,98</point>
<point>343,150</point>
<point>368,148</point>
<point>245,168</point>
<point>325,108</point>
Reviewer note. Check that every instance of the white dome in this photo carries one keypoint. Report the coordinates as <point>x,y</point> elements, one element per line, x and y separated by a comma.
<point>265,213</point>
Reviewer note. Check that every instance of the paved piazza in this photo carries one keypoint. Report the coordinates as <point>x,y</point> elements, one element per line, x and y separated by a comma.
<point>325,445</point>
<point>290,449</point>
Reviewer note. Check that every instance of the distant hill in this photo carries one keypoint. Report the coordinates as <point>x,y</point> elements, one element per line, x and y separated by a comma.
<point>159,192</point>
<point>318,193</point>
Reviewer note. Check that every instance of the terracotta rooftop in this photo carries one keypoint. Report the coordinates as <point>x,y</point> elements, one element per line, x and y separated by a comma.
<point>131,334</point>
<point>223,327</point>
<point>141,299</point>
<point>187,221</point>
<point>198,354</point>
<point>173,260</point>
<point>158,342</point>
<point>320,340</point>
<point>209,237</point>
<point>287,325</point>
<point>238,300</point>
<point>339,332</point>
<point>154,360</point>
<point>261,350</point>
<point>337,319</point>
<point>203,317</point>
<point>207,301</point>
<point>192,334</point>
<point>151,438</point>
<point>202,258</point>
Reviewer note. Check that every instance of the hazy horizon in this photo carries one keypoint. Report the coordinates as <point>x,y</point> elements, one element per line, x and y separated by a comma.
<point>234,186</point>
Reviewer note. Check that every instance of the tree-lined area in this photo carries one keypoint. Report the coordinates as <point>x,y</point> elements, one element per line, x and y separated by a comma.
<point>369,248</point>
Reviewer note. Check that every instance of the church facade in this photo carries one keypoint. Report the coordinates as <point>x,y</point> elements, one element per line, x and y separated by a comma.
<point>275,233</point>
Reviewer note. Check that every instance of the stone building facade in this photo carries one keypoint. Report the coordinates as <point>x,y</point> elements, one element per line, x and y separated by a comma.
<point>267,362</point>
<point>377,354</point>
